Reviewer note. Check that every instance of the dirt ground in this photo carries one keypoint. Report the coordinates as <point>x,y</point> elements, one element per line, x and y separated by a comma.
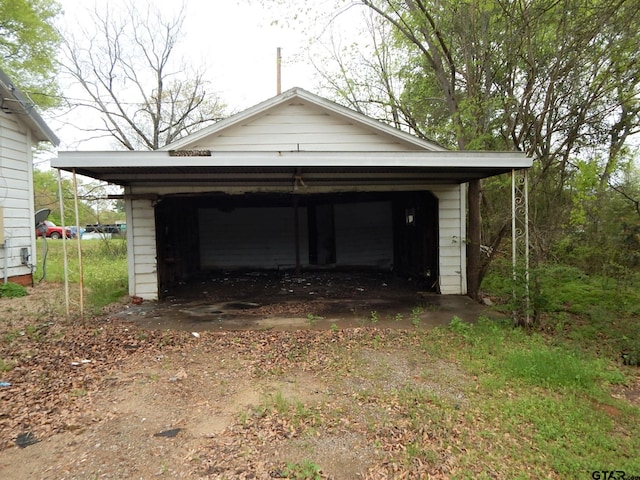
<point>235,378</point>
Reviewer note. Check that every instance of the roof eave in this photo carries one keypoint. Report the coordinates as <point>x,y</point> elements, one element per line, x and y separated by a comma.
<point>128,167</point>
<point>31,117</point>
<point>127,159</point>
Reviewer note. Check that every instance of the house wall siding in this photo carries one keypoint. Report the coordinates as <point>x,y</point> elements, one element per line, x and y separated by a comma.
<point>141,240</point>
<point>16,198</point>
<point>451,239</point>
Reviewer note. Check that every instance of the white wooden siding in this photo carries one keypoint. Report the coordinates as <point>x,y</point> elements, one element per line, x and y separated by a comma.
<point>142,256</point>
<point>16,196</point>
<point>364,234</point>
<point>251,238</point>
<point>451,239</point>
<point>297,126</point>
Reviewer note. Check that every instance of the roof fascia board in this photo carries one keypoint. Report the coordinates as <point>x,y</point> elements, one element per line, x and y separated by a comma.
<point>29,116</point>
<point>314,99</point>
<point>160,159</point>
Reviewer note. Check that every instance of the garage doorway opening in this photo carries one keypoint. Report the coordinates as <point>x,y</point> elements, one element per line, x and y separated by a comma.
<point>366,232</point>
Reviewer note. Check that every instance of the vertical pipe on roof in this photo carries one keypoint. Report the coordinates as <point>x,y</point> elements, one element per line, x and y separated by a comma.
<point>279,71</point>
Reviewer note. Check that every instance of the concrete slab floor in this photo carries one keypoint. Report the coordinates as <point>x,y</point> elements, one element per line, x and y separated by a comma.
<point>285,301</point>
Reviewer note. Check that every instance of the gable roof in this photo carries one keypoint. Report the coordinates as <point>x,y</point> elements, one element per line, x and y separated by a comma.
<point>298,97</point>
<point>13,102</point>
<point>208,158</point>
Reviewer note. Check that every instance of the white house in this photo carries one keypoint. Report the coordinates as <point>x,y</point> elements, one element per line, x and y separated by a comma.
<point>21,127</point>
<point>294,182</point>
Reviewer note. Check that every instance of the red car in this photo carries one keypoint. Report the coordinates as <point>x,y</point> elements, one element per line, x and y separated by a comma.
<point>53,231</point>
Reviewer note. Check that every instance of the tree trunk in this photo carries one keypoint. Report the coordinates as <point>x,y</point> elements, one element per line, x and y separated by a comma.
<point>474,263</point>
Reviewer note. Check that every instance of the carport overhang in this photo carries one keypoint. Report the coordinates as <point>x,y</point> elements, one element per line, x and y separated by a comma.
<point>287,169</point>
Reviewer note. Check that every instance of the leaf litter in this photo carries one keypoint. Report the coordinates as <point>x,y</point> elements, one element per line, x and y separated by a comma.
<point>104,398</point>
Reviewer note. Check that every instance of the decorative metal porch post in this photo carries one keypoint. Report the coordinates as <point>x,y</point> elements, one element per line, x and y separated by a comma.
<point>520,247</point>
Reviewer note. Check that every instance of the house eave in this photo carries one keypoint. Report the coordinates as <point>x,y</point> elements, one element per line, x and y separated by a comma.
<point>128,168</point>
<point>13,102</point>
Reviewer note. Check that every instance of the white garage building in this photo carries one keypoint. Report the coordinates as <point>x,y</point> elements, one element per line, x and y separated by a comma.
<point>294,182</point>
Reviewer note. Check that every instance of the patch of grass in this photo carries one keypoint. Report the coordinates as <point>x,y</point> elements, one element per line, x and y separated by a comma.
<point>304,470</point>
<point>33,332</point>
<point>594,312</point>
<point>536,399</point>
<point>312,319</point>
<point>243,418</point>
<point>373,317</point>
<point>569,431</point>
<point>516,356</point>
<point>279,402</point>
<point>554,367</point>
<point>78,392</point>
<point>6,365</point>
<point>104,265</point>
<point>293,410</point>
<point>11,335</point>
<point>12,290</point>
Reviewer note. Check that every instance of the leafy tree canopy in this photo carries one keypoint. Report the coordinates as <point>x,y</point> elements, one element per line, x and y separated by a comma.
<point>28,45</point>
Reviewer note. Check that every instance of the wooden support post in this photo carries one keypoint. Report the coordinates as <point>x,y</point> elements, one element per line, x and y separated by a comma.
<point>64,244</point>
<point>80,270</point>
<point>296,227</point>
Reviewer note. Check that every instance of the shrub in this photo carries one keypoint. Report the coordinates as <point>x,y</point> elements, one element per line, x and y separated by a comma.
<point>12,290</point>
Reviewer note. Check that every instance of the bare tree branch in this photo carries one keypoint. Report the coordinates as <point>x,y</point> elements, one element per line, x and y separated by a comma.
<point>128,72</point>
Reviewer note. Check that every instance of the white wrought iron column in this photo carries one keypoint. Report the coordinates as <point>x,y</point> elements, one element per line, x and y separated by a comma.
<point>520,247</point>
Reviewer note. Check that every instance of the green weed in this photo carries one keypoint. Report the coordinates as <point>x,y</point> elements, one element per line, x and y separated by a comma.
<point>243,418</point>
<point>415,316</point>
<point>312,319</point>
<point>78,392</point>
<point>280,403</point>
<point>12,290</point>
<point>296,411</point>
<point>303,470</point>
<point>6,365</point>
<point>11,335</point>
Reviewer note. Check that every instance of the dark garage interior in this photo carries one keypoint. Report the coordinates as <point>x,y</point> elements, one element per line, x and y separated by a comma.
<point>357,231</point>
